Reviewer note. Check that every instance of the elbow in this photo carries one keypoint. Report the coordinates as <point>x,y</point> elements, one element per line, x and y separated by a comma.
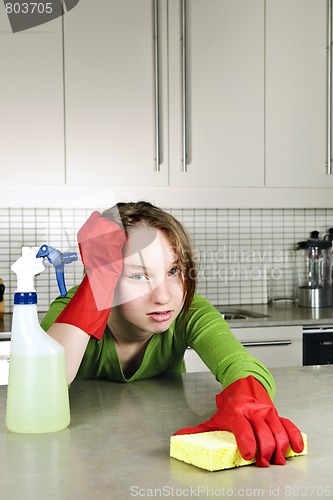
<point>71,373</point>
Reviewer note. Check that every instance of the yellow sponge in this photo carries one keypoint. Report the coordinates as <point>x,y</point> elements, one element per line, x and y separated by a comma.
<point>215,450</point>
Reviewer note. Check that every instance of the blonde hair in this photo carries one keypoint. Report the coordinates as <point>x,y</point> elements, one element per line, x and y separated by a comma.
<point>144,213</point>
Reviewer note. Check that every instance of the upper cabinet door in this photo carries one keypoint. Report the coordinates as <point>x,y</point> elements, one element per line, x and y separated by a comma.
<point>224,93</point>
<point>32,150</point>
<point>296,94</point>
<point>110,75</point>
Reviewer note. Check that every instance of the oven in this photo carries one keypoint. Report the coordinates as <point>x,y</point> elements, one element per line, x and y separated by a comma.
<point>318,346</point>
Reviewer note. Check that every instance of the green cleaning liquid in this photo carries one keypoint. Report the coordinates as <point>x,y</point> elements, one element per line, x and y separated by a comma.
<point>37,399</point>
<point>37,395</point>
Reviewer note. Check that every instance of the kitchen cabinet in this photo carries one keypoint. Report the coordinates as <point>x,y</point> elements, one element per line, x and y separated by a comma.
<point>254,94</point>
<point>276,347</point>
<point>4,361</point>
<point>193,362</point>
<point>255,105</point>
<point>296,97</point>
<point>257,97</point>
<point>110,72</point>
<point>224,93</point>
<point>32,148</point>
<point>110,93</point>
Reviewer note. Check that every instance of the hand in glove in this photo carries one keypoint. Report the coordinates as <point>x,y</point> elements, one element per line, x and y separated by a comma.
<point>100,242</point>
<point>246,410</point>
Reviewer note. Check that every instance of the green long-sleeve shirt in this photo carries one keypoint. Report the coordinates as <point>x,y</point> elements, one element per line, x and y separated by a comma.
<point>202,328</point>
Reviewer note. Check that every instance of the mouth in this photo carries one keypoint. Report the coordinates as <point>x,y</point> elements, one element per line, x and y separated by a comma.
<point>160,316</point>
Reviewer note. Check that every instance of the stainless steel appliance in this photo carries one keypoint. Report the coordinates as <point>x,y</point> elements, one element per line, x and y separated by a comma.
<point>318,346</point>
<point>314,272</point>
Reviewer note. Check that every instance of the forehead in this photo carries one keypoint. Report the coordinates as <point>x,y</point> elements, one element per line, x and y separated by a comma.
<point>148,243</point>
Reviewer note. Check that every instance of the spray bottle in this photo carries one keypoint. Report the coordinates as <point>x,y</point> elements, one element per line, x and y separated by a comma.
<point>37,398</point>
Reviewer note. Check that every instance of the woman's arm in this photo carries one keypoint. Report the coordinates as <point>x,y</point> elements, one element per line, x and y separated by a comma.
<point>210,336</point>
<point>74,341</point>
<point>245,405</point>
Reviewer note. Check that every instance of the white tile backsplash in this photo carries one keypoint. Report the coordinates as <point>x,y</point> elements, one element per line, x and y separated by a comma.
<point>245,255</point>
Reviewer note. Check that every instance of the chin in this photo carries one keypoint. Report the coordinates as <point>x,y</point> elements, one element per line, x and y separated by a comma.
<point>160,327</point>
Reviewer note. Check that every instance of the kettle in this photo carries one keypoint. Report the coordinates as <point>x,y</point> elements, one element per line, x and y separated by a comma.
<point>314,271</point>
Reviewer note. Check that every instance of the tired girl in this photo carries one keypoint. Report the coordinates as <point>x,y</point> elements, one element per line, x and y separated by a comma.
<point>135,313</point>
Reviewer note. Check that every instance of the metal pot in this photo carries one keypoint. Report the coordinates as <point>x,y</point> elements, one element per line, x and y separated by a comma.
<point>314,271</point>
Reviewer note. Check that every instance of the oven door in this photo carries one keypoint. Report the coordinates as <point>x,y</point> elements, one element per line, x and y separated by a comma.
<point>318,346</point>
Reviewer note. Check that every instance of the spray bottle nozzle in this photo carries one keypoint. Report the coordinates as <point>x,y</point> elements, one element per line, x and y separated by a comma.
<point>58,259</point>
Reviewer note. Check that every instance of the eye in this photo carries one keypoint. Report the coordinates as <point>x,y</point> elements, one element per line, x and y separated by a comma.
<point>139,277</point>
<point>175,271</point>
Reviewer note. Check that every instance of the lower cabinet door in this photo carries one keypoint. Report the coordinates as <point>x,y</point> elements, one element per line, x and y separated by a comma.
<point>274,346</point>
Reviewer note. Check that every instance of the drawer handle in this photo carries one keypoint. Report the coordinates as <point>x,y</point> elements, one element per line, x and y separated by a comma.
<point>263,343</point>
<point>329,87</point>
<point>157,88</point>
<point>184,87</point>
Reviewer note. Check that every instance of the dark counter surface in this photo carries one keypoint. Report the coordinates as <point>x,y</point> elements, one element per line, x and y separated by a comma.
<point>117,445</point>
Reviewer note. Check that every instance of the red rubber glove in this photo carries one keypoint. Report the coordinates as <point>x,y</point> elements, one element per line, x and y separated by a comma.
<point>246,410</point>
<point>100,242</point>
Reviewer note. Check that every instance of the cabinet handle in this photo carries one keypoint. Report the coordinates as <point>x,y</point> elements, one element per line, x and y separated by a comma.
<point>329,88</point>
<point>262,343</point>
<point>157,89</point>
<point>184,87</point>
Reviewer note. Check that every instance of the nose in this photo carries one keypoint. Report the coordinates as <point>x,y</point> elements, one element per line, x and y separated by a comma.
<point>160,294</point>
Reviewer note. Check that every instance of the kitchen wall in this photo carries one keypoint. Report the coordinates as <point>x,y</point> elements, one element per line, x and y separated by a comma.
<point>245,255</point>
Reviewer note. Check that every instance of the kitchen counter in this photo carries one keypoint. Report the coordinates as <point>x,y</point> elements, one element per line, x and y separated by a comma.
<point>280,314</point>
<point>117,445</point>
<point>277,314</point>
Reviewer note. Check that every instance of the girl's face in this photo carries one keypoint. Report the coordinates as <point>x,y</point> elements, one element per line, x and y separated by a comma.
<point>150,292</point>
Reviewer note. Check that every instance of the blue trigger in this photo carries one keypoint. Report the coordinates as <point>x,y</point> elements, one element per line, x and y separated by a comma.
<point>58,259</point>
